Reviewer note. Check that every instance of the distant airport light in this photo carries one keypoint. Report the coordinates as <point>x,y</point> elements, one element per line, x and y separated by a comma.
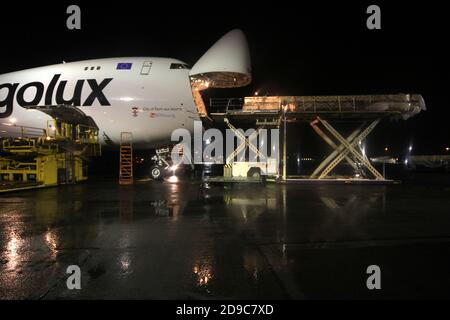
<point>410,148</point>
<point>406,162</point>
<point>386,149</point>
<point>447,149</point>
<point>256,93</point>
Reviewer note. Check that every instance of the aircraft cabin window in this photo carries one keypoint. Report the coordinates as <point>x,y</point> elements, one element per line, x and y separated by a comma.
<point>179,66</point>
<point>98,68</point>
<point>85,69</point>
<point>92,68</point>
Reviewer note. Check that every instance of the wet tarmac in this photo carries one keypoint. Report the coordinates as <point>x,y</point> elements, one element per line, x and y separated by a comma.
<point>178,241</point>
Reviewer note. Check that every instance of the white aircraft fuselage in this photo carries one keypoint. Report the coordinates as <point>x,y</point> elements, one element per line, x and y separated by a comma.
<point>149,97</point>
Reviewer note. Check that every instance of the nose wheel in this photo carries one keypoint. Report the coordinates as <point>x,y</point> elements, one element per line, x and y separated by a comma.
<point>156,172</point>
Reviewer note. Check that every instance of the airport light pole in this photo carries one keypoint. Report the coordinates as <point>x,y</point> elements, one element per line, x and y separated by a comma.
<point>284,142</point>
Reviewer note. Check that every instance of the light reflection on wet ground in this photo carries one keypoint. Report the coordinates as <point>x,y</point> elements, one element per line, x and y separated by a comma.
<point>177,241</point>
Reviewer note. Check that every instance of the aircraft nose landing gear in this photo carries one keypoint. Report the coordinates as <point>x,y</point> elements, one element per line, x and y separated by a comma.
<point>161,166</point>
<point>163,163</point>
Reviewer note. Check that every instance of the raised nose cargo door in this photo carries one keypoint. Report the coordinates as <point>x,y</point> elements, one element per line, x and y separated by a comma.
<point>225,65</point>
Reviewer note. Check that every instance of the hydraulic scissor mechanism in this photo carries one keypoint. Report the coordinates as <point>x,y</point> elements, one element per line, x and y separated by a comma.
<point>245,142</point>
<point>346,149</point>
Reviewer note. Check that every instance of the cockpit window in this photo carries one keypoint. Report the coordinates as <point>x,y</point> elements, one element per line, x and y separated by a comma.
<point>179,66</point>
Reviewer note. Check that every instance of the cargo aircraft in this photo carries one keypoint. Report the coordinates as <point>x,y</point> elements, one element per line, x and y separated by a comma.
<point>149,97</point>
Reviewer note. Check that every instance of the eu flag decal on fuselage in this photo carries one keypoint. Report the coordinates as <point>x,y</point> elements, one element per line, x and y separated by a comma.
<point>124,66</point>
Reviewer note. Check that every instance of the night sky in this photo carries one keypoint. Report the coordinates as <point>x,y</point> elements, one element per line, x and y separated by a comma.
<point>306,49</point>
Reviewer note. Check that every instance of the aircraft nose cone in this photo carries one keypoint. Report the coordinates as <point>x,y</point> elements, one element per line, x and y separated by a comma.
<point>227,63</point>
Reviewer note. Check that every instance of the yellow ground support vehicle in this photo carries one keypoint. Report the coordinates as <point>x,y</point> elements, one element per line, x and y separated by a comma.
<point>57,155</point>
